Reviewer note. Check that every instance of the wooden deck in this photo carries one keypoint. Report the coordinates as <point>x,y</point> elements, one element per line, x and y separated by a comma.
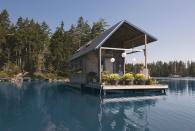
<point>135,87</point>
<point>115,88</point>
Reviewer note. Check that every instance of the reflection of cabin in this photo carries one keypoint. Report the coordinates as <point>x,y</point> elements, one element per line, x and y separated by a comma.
<point>105,52</point>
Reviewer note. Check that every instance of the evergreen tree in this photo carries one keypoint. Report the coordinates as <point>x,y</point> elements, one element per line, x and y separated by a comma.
<point>4,32</point>
<point>98,28</point>
<point>83,30</point>
<point>57,49</point>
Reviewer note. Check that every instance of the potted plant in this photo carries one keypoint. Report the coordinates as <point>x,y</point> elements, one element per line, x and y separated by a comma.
<point>105,78</point>
<point>128,79</point>
<point>114,79</point>
<point>140,79</point>
<point>151,81</point>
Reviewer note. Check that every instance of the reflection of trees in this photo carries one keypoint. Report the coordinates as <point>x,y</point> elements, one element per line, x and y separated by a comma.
<point>177,87</point>
<point>45,106</point>
<point>191,87</point>
<point>26,108</point>
<point>181,86</point>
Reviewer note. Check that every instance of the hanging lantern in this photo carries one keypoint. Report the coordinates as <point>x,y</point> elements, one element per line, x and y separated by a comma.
<point>112,60</point>
<point>124,55</point>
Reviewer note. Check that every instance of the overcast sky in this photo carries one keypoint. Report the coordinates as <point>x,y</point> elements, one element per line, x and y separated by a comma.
<point>171,21</point>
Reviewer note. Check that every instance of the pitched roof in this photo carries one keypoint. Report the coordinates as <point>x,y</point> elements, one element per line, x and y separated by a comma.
<point>97,42</point>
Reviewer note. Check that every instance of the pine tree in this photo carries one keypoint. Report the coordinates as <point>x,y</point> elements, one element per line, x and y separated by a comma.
<point>4,32</point>
<point>98,28</point>
<point>57,52</point>
<point>83,30</point>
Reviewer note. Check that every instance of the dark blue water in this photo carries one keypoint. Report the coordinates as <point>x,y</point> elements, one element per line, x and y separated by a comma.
<point>42,106</point>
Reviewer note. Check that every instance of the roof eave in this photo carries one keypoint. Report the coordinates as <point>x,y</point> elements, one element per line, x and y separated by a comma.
<point>109,35</point>
<point>141,30</point>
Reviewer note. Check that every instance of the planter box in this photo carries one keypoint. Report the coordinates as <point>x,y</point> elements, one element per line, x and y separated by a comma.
<point>113,82</point>
<point>129,82</point>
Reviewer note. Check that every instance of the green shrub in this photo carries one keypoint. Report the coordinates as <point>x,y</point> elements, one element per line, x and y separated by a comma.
<point>151,81</point>
<point>105,77</point>
<point>43,76</point>
<point>12,69</point>
<point>140,76</point>
<point>114,77</point>
<point>39,75</point>
<point>140,79</point>
<point>127,79</point>
<point>15,69</point>
<point>4,74</point>
<point>128,76</point>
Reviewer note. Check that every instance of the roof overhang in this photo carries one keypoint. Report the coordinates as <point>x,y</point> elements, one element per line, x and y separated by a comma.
<point>125,33</point>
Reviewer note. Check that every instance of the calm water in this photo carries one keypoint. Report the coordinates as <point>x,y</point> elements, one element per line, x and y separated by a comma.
<point>42,106</point>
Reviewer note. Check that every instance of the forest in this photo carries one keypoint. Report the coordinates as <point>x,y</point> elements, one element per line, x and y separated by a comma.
<point>166,69</point>
<point>31,46</point>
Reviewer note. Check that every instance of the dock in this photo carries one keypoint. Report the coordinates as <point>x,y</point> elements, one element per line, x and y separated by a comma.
<point>118,88</point>
<point>135,87</point>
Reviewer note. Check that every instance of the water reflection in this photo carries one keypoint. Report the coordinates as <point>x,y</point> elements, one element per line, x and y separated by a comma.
<point>191,87</point>
<point>180,87</point>
<point>127,113</point>
<point>44,106</point>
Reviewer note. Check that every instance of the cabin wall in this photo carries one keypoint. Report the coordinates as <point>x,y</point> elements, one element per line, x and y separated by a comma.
<point>87,67</point>
<point>77,72</point>
<point>91,61</point>
<point>88,64</point>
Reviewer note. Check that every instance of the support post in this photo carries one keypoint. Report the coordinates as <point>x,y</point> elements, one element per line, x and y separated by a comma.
<point>124,66</point>
<point>145,52</point>
<point>100,65</point>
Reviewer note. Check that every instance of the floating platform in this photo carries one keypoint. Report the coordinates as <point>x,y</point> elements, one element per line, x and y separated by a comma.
<point>135,87</point>
<point>118,88</point>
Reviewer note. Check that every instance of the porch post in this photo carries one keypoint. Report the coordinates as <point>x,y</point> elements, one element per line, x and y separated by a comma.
<point>100,64</point>
<point>124,66</point>
<point>145,52</point>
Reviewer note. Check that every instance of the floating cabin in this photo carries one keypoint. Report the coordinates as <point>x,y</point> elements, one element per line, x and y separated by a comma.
<point>107,53</point>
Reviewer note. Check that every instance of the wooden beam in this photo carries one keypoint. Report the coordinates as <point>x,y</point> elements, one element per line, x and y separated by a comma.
<point>134,51</point>
<point>122,49</point>
<point>110,48</point>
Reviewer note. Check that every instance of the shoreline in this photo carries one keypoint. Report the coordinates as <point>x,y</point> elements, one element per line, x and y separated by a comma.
<point>174,78</point>
<point>36,79</point>
<point>6,79</point>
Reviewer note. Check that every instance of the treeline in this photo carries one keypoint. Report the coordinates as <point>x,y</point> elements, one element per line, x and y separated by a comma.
<point>28,45</point>
<point>165,69</point>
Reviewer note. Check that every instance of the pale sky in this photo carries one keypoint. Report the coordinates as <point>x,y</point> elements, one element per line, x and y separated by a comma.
<point>171,21</point>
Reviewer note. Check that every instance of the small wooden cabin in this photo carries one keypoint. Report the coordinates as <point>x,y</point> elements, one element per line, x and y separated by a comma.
<point>107,52</point>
